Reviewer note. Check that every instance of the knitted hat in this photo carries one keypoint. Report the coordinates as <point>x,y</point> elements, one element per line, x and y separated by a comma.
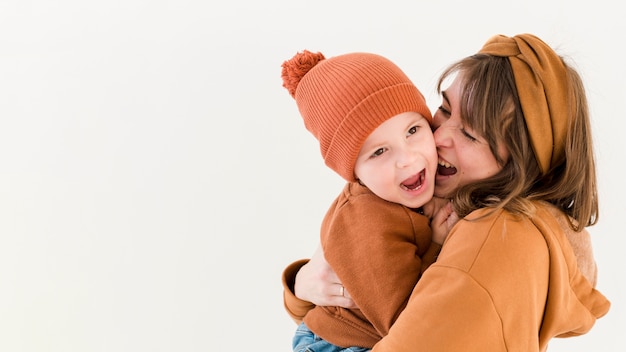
<point>544,92</point>
<point>345,98</point>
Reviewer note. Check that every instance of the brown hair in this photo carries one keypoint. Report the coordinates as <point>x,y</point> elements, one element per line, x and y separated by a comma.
<point>490,105</point>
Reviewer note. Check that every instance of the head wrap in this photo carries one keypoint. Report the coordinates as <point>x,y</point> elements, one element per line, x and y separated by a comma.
<point>343,99</point>
<point>543,88</point>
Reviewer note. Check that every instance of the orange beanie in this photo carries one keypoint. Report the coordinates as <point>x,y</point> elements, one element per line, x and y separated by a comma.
<point>345,98</point>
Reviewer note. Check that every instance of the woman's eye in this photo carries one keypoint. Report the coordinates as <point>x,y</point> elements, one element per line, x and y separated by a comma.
<point>444,110</point>
<point>468,135</point>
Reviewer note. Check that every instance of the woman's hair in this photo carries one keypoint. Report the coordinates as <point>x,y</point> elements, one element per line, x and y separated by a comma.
<point>489,105</point>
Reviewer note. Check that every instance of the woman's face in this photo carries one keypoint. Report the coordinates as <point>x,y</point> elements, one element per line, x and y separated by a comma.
<point>464,156</point>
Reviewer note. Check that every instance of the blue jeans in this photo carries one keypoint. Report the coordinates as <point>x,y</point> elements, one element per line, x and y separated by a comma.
<point>306,341</point>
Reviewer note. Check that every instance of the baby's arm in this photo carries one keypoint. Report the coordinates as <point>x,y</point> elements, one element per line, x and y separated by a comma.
<point>442,219</point>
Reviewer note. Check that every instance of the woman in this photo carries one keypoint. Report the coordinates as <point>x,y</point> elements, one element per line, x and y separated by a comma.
<point>516,158</point>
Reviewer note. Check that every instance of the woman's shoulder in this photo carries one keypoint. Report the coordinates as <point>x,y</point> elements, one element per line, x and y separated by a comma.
<point>537,210</point>
<point>486,234</point>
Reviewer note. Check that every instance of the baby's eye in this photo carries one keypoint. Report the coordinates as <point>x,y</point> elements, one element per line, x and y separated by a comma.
<point>378,152</point>
<point>413,130</point>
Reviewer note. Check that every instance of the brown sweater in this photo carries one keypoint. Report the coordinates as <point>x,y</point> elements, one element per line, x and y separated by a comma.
<point>376,249</point>
<point>499,284</point>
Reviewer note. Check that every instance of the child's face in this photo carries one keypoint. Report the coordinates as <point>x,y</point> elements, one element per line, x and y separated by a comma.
<point>398,161</point>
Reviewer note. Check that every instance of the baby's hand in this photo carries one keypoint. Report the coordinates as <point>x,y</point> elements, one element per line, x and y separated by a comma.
<point>442,222</point>
<point>433,206</point>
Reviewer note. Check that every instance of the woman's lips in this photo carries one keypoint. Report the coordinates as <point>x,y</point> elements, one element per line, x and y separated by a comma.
<point>445,168</point>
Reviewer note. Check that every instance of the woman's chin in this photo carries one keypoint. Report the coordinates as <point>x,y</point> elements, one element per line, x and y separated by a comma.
<point>444,189</point>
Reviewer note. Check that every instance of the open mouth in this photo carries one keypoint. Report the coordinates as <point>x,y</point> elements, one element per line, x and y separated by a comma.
<point>415,182</point>
<point>445,169</point>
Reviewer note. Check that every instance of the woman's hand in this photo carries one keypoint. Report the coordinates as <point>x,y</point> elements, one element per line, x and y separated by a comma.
<point>316,282</point>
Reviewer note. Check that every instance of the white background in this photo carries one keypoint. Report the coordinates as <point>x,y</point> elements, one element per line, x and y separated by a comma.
<point>155,177</point>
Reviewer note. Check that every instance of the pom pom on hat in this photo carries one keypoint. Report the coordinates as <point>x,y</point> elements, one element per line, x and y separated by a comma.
<point>343,99</point>
<point>297,67</point>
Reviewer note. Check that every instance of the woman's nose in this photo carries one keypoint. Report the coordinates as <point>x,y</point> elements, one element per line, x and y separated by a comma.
<point>442,136</point>
<point>438,120</point>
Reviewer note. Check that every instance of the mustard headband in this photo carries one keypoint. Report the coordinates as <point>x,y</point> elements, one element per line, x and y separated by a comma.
<point>542,85</point>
